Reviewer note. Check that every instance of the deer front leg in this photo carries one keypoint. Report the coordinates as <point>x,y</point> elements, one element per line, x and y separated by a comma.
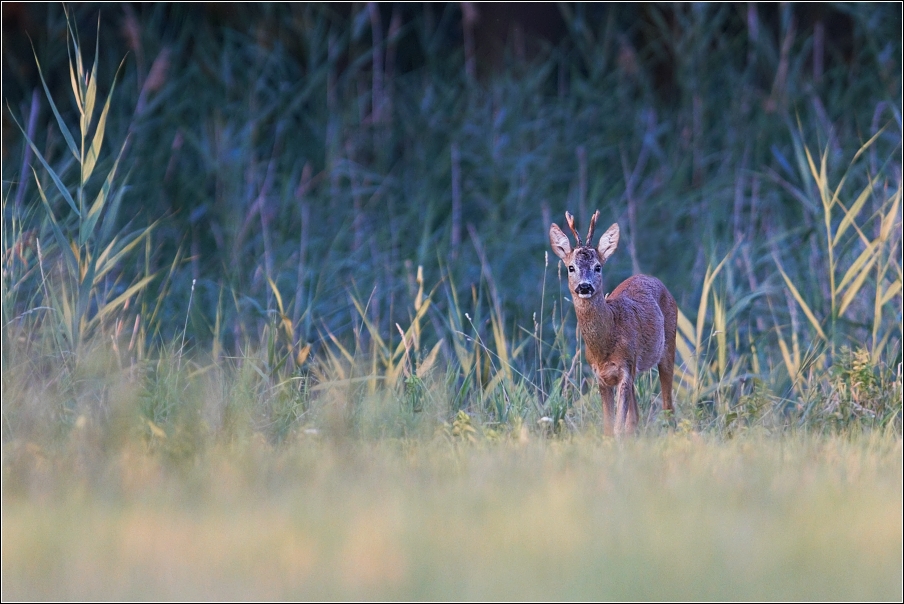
<point>631,415</point>
<point>621,407</point>
<point>608,410</point>
<point>626,405</point>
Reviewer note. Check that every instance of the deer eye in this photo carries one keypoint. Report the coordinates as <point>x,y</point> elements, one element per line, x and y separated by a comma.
<point>598,268</point>
<point>571,269</point>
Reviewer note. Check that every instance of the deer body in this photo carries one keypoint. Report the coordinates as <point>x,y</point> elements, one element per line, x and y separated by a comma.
<point>629,331</point>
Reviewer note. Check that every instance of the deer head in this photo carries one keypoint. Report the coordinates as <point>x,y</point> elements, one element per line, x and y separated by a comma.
<point>584,262</point>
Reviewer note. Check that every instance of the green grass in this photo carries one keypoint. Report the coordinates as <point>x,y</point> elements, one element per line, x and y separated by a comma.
<point>687,126</point>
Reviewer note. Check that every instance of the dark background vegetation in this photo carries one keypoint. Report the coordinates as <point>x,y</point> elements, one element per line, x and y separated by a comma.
<point>334,149</point>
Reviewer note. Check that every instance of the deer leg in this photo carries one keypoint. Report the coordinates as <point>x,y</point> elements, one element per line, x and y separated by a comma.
<point>608,410</point>
<point>666,371</point>
<point>667,362</point>
<point>622,406</point>
<point>631,412</point>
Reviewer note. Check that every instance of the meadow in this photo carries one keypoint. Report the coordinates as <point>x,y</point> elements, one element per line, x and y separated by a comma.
<point>280,321</point>
<point>679,516</point>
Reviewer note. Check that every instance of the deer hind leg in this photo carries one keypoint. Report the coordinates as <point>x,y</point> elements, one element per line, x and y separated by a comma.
<point>608,410</point>
<point>667,362</point>
<point>666,372</point>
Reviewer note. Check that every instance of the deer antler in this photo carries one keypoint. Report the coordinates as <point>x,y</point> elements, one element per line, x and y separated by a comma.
<point>592,226</point>
<point>570,220</point>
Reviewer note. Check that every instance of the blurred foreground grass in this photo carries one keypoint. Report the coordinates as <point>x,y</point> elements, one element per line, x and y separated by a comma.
<point>676,517</point>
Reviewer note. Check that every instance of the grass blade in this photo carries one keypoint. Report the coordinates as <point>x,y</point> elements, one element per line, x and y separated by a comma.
<point>890,293</point>
<point>113,253</point>
<point>704,299</point>
<point>62,241</point>
<point>857,284</point>
<point>863,263</point>
<point>110,215</point>
<point>97,141</point>
<point>86,228</point>
<point>108,307</point>
<point>73,148</point>
<point>851,214</point>
<point>53,175</point>
<point>800,300</point>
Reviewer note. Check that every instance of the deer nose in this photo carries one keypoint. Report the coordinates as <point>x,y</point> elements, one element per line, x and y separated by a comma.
<point>585,289</point>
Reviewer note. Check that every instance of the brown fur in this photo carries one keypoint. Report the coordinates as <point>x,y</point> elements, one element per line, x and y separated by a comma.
<point>630,330</point>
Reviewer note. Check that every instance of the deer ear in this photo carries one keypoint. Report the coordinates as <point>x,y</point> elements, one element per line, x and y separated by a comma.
<point>608,242</point>
<point>559,241</point>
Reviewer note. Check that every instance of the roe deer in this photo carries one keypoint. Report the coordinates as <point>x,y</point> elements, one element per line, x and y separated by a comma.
<point>625,332</point>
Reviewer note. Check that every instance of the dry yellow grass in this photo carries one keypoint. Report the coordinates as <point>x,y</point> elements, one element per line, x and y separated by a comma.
<point>677,517</point>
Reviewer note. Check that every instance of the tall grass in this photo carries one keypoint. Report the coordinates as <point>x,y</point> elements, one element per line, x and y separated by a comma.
<point>325,227</point>
<point>78,299</point>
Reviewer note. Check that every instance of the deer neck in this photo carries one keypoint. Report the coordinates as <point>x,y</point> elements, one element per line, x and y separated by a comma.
<point>596,320</point>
